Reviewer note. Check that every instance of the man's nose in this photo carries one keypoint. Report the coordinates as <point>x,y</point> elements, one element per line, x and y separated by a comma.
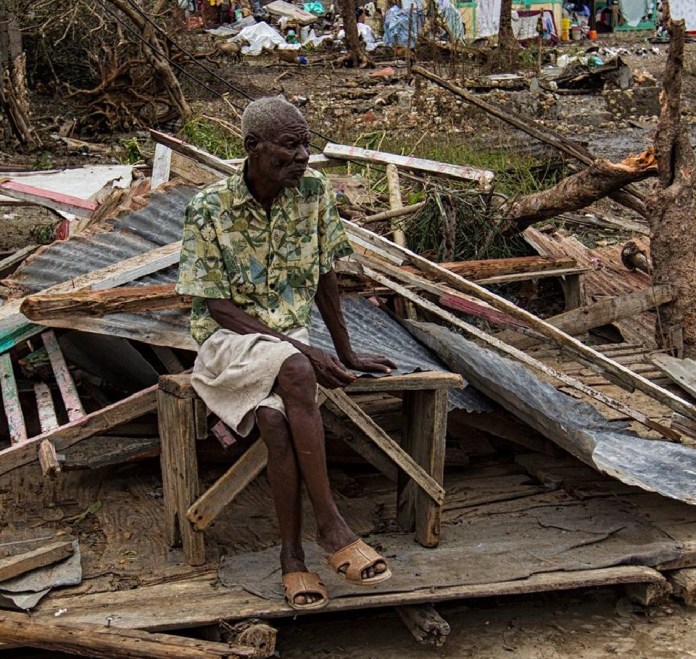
<point>302,153</point>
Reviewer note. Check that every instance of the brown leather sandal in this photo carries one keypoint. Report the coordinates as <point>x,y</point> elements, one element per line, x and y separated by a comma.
<point>356,557</point>
<point>304,583</point>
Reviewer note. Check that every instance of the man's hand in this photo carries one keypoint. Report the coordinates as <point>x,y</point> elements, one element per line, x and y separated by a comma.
<point>369,363</point>
<point>329,370</point>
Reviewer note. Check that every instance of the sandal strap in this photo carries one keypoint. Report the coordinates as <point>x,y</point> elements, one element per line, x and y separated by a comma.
<point>358,556</point>
<point>303,583</point>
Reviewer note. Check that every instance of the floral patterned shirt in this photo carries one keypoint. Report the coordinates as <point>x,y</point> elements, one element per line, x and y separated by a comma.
<point>268,265</point>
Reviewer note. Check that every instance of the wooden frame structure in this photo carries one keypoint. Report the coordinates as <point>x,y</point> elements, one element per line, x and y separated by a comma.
<point>421,458</point>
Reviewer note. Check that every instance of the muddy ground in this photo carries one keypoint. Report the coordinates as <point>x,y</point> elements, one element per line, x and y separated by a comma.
<point>346,105</point>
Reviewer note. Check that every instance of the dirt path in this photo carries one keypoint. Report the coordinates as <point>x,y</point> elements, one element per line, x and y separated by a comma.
<point>587,624</point>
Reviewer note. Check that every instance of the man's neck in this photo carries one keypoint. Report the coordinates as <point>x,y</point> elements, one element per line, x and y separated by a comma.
<point>260,189</point>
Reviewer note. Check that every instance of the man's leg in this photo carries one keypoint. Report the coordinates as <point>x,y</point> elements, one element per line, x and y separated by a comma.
<point>296,385</point>
<point>284,477</point>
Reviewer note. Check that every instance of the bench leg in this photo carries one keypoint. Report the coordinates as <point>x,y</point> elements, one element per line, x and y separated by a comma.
<point>424,435</point>
<point>177,427</point>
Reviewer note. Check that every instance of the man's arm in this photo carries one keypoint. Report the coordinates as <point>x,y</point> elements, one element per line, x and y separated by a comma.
<point>329,370</point>
<point>329,304</point>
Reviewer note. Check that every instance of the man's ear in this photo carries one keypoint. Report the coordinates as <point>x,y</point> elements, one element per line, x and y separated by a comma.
<point>251,144</point>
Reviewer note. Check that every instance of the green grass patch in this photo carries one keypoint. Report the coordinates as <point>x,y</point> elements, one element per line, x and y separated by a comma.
<point>213,136</point>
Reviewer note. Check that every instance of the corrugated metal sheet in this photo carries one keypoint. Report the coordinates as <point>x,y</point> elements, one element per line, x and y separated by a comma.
<point>132,233</point>
<point>160,223</point>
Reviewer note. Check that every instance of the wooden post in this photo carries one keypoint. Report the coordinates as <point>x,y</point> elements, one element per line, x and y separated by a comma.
<point>177,427</point>
<point>424,429</point>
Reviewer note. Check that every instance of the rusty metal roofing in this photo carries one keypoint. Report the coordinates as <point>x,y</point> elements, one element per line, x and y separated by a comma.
<point>160,223</point>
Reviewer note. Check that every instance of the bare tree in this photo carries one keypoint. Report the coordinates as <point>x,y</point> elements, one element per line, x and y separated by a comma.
<point>350,26</point>
<point>506,56</point>
<point>673,203</point>
<point>14,105</point>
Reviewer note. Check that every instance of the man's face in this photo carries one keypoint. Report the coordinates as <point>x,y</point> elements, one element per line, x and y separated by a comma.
<point>284,158</point>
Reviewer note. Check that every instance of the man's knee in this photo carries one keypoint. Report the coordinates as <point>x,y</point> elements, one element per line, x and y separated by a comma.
<point>274,429</point>
<point>296,381</point>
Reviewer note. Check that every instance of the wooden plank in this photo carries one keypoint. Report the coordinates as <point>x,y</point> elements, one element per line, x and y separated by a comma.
<point>201,601</point>
<point>424,429</point>
<point>426,482</point>
<point>56,201</point>
<point>16,258</point>
<point>348,433</point>
<point>526,276</point>
<point>71,433</point>
<point>160,166</point>
<point>10,401</point>
<point>48,459</point>
<point>514,352</point>
<point>127,299</point>
<point>46,409</point>
<point>407,382</point>
<point>432,167</point>
<point>14,326</point>
<point>179,472</point>
<point>66,384</point>
<point>426,625</point>
<point>395,212</point>
<point>109,642</point>
<point>169,360</point>
<point>14,566</point>
<point>207,507</point>
<point>481,269</point>
<point>617,371</point>
<point>680,371</point>
<point>684,585</point>
<point>604,312</point>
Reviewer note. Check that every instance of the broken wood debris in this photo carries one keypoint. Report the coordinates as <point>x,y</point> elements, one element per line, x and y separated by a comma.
<point>109,642</point>
<point>13,566</point>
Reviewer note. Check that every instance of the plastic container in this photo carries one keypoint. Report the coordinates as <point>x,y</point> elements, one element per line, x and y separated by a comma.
<point>576,33</point>
<point>565,29</point>
<point>592,35</point>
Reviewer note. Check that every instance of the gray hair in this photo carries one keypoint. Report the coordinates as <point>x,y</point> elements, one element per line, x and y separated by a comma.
<point>262,117</point>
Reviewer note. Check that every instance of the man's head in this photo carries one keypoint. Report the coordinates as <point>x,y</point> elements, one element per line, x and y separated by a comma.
<point>276,139</point>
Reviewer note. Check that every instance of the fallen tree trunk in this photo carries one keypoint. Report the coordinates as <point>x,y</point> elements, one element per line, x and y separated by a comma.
<point>601,179</point>
<point>673,206</point>
<point>629,198</point>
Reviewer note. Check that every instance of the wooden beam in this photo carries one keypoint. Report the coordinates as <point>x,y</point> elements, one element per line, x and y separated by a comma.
<point>482,269</point>
<point>71,433</point>
<point>14,566</point>
<point>428,484</point>
<point>354,153</point>
<point>109,642</point>
<point>618,372</point>
<point>10,401</point>
<point>681,371</point>
<point>48,459</point>
<point>45,407</point>
<point>56,201</point>
<point>515,353</point>
<point>16,258</point>
<point>71,398</point>
<point>125,299</point>
<point>393,213</point>
<point>583,319</point>
<point>210,504</point>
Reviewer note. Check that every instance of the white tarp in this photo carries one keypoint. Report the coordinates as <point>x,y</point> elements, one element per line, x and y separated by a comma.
<point>261,36</point>
<point>633,11</point>
<point>685,9</point>
<point>84,183</point>
<point>487,18</point>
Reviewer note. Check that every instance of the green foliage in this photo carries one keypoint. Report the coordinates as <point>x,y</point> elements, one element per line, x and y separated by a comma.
<point>132,155</point>
<point>214,137</point>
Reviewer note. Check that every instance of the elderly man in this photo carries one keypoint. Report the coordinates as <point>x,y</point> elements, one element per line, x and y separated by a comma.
<point>258,250</point>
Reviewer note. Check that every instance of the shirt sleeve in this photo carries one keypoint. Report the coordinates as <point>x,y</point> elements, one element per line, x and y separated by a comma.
<point>202,270</point>
<point>333,242</point>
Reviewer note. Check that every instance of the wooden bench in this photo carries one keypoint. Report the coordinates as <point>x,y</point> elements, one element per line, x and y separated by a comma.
<point>420,457</point>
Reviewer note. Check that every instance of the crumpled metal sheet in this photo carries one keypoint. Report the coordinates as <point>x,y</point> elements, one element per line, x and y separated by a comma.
<point>576,426</point>
<point>25,591</point>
